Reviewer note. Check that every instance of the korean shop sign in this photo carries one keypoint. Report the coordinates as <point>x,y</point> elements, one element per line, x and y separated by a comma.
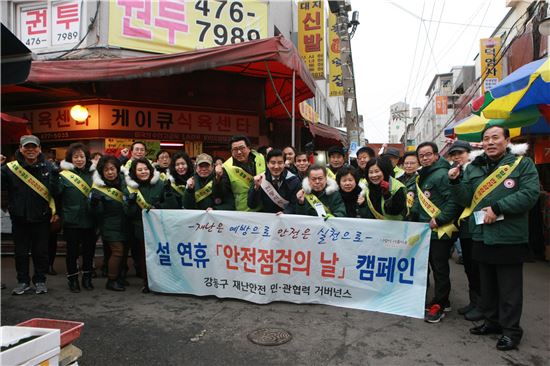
<point>43,24</point>
<point>334,58</point>
<point>170,26</point>
<point>441,104</point>
<point>311,36</point>
<point>133,119</point>
<point>491,64</point>
<point>144,120</point>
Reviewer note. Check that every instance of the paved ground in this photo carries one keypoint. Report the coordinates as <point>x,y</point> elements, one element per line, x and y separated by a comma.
<point>131,328</point>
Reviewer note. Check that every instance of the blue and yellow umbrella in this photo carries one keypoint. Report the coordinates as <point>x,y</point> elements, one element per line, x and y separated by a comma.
<point>528,121</point>
<point>526,87</point>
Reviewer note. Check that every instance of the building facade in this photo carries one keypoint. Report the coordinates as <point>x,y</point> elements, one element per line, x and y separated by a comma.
<point>80,30</point>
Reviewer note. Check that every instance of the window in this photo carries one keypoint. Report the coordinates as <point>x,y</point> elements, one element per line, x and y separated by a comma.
<point>42,25</point>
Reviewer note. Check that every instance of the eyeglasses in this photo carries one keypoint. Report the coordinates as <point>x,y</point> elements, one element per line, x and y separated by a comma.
<point>239,148</point>
<point>426,155</point>
<point>409,163</point>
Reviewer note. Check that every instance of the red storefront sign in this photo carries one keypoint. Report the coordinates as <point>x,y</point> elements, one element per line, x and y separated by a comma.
<point>542,152</point>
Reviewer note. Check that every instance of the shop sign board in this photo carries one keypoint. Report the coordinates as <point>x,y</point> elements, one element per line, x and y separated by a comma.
<point>125,118</point>
<point>140,123</point>
<point>542,152</point>
<point>491,67</point>
<point>169,26</point>
<point>308,112</point>
<point>43,24</point>
<point>335,61</point>
<point>441,104</point>
<point>311,36</point>
<point>58,120</point>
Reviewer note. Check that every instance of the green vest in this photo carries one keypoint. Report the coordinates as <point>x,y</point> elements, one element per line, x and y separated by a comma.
<point>241,180</point>
<point>398,171</point>
<point>395,186</point>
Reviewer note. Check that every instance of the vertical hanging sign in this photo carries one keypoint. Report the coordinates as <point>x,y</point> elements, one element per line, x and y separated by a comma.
<point>491,68</point>
<point>441,105</point>
<point>335,61</point>
<point>311,36</point>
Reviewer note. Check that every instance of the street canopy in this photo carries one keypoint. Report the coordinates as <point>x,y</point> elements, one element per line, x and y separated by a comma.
<point>273,59</point>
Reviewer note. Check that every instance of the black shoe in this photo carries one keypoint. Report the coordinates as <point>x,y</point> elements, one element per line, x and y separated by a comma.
<point>123,282</point>
<point>465,309</point>
<point>74,287</point>
<point>114,286</point>
<point>145,290</point>
<point>87,281</point>
<point>474,315</point>
<point>485,329</point>
<point>506,343</point>
<point>51,271</point>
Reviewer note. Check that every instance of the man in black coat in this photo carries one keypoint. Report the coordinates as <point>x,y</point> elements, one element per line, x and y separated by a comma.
<point>275,190</point>
<point>30,181</point>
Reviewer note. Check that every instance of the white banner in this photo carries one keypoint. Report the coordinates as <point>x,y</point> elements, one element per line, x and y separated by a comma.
<point>354,263</point>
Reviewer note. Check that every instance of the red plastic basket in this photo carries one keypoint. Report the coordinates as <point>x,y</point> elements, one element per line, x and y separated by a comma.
<point>69,330</point>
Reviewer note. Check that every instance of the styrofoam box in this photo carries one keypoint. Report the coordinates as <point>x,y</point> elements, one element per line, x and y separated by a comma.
<point>47,341</point>
<point>50,358</point>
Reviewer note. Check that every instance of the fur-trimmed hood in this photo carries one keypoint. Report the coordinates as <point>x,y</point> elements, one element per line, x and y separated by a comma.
<point>331,187</point>
<point>516,149</point>
<point>98,181</point>
<point>363,188</point>
<point>132,183</point>
<point>65,165</point>
<point>169,176</point>
<point>124,170</point>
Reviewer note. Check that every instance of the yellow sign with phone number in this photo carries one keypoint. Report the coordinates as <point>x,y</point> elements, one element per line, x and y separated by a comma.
<point>177,26</point>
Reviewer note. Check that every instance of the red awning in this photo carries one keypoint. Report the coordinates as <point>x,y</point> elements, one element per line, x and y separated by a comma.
<point>322,130</point>
<point>275,56</point>
<point>327,132</point>
<point>13,128</point>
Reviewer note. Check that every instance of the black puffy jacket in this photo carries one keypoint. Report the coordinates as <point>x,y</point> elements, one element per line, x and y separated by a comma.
<point>23,202</point>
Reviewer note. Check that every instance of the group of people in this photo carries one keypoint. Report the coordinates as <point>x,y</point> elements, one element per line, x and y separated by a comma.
<point>483,198</point>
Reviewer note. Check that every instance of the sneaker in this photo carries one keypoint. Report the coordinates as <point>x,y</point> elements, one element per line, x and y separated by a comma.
<point>21,288</point>
<point>447,308</point>
<point>435,314</point>
<point>41,288</point>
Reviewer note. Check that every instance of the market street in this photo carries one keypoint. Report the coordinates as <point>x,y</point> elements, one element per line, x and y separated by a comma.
<point>132,328</point>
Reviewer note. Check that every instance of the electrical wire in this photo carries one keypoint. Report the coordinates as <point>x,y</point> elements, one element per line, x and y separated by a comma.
<point>429,72</point>
<point>499,56</point>
<point>414,55</point>
<point>451,44</point>
<point>477,34</point>
<point>90,27</point>
<point>435,36</point>
<point>421,63</point>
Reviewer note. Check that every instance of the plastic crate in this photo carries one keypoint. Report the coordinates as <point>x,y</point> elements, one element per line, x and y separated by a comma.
<point>32,352</point>
<point>69,330</point>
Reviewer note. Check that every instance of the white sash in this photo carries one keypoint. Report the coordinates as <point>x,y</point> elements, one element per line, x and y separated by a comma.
<point>272,193</point>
